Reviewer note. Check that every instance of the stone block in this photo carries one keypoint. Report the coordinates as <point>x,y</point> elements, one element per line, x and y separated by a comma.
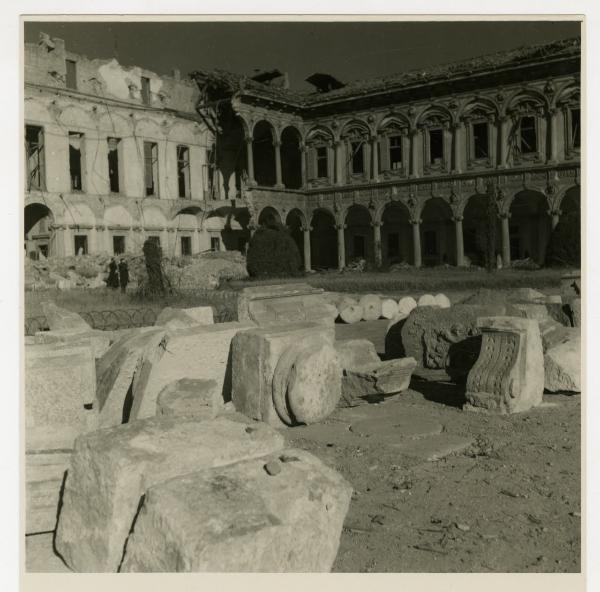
<point>60,390</point>
<point>379,379</point>
<point>559,312</point>
<point>406,304</point>
<point>192,397</point>
<point>244,517</point>
<point>286,375</point>
<point>198,352</point>
<point>442,301</point>
<point>427,300</point>
<point>389,308</point>
<point>182,318</point>
<point>371,307</point>
<point>429,332</point>
<point>558,335</point>
<point>285,303</point>
<point>44,474</point>
<point>562,365</point>
<point>508,376</point>
<point>60,319</point>
<point>120,372</point>
<point>113,467</point>
<point>99,341</point>
<point>570,284</point>
<point>527,295</point>
<point>575,305</point>
<point>355,352</point>
<point>537,312</point>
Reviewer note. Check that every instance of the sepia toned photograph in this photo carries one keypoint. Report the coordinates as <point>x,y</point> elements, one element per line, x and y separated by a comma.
<point>302,296</point>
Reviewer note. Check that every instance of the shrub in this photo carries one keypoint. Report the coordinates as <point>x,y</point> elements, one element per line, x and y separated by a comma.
<point>564,246</point>
<point>272,252</point>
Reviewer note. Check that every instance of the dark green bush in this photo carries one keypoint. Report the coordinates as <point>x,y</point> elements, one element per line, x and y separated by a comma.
<point>272,252</point>
<point>564,246</point>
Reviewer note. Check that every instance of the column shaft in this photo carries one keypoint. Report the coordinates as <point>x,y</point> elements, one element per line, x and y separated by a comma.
<point>416,226</point>
<point>377,243</point>
<point>277,148</point>
<point>414,155</point>
<point>374,160</point>
<point>505,242</point>
<point>341,247</point>
<point>250,161</point>
<point>303,166</point>
<point>460,249</point>
<point>306,237</point>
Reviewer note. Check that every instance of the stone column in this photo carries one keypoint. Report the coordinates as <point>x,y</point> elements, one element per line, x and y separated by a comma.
<point>555,217</point>
<point>339,169</point>
<point>195,241</point>
<point>130,247</point>
<point>460,249</point>
<point>414,154</point>
<point>306,238</point>
<point>250,162</point>
<point>341,246</point>
<point>458,146</point>
<point>277,149</point>
<point>553,127</point>
<point>69,247</point>
<point>416,228</point>
<point>377,243</point>
<point>503,141</point>
<point>252,228</point>
<point>374,159</point>
<point>303,169</point>
<point>505,216</point>
<point>57,249</point>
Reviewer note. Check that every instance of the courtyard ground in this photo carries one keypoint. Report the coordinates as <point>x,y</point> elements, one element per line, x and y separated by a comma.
<point>506,500</point>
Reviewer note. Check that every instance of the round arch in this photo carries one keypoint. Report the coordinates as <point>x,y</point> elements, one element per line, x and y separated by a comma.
<point>530,226</point>
<point>269,216</point>
<point>291,160</point>
<point>434,115</point>
<point>476,229</point>
<point>296,221</point>
<point>358,234</point>
<point>263,150</point>
<point>38,231</point>
<point>437,233</point>
<point>323,239</point>
<point>396,233</point>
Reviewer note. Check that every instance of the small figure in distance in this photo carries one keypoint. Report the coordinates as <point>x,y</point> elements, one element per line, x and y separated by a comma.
<point>123,275</point>
<point>113,277</point>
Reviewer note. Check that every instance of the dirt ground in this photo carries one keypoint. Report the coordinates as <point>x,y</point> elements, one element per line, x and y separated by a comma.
<point>437,489</point>
<point>508,501</point>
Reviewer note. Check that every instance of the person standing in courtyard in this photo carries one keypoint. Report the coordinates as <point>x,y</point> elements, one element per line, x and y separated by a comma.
<point>113,277</point>
<point>123,275</point>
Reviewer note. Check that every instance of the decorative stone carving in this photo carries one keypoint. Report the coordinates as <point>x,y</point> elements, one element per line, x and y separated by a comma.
<point>508,376</point>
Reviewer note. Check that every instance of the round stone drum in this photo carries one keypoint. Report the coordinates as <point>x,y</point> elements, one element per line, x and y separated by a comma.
<point>307,383</point>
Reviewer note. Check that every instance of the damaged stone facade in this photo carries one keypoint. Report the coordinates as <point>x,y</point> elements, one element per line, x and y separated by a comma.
<point>115,155</point>
<point>393,170</point>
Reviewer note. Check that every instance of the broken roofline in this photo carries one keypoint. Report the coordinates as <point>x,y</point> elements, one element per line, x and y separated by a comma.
<point>527,56</point>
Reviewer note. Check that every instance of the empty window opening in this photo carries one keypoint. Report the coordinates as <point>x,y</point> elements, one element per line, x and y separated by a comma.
<point>322,162</point>
<point>34,150</point>
<point>576,128</point>
<point>436,146</point>
<point>480,140</point>
<point>186,246</point>
<point>71,74</point>
<point>395,152</point>
<point>215,243</point>
<point>183,171</point>
<point>81,244</point>
<point>358,163</point>
<point>151,168</point>
<point>43,249</point>
<point>155,239</point>
<point>528,135</point>
<point>430,240</point>
<point>145,90</point>
<point>393,244</point>
<point>113,164</point>
<point>75,160</point>
<point>118,245</point>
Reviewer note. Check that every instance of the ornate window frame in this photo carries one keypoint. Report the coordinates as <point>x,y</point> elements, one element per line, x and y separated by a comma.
<point>353,135</point>
<point>393,130</point>
<point>475,117</point>
<point>567,107</point>
<point>436,121</point>
<point>527,108</point>
<point>320,139</point>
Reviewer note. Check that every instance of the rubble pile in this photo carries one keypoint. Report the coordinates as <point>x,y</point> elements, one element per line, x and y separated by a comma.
<point>204,270</point>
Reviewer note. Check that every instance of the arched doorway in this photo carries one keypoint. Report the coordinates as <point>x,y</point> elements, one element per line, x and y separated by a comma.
<point>269,217</point>
<point>530,226</point>
<point>39,236</point>
<point>476,229</point>
<point>437,233</point>
<point>264,154</point>
<point>228,157</point>
<point>291,161</point>
<point>294,222</point>
<point>186,222</point>
<point>358,234</point>
<point>396,235</point>
<point>323,240</point>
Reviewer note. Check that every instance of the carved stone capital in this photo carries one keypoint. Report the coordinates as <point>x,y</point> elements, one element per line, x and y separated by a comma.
<point>377,223</point>
<point>341,226</point>
<point>416,221</point>
<point>457,218</point>
<point>306,228</point>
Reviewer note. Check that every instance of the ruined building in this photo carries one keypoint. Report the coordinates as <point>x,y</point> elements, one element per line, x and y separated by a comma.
<point>396,169</point>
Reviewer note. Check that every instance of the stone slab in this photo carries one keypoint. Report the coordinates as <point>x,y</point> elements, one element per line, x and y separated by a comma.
<point>61,319</point>
<point>120,372</point>
<point>99,341</point>
<point>283,304</point>
<point>202,352</point>
<point>112,468</point>
<point>182,318</point>
<point>432,448</point>
<point>562,366</point>
<point>193,397</point>
<point>355,352</point>
<point>60,382</point>
<point>282,513</point>
<point>270,365</point>
<point>508,376</point>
